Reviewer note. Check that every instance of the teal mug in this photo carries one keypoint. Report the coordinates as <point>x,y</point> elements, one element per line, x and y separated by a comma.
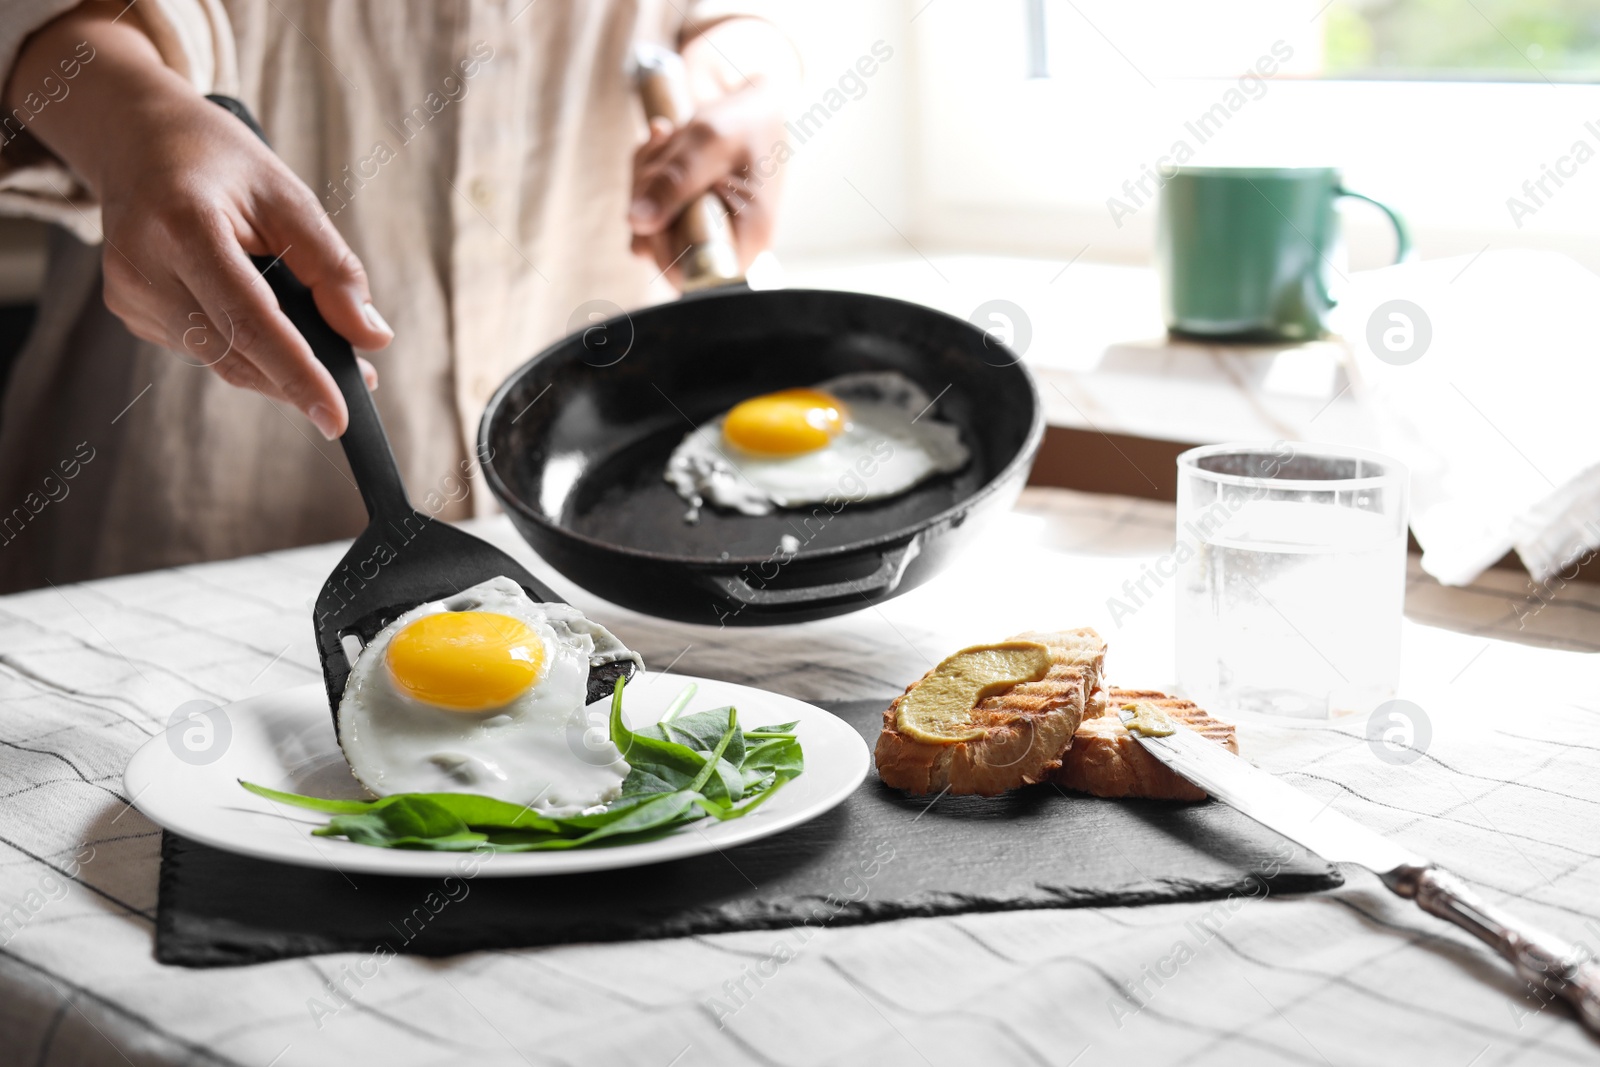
<point>1243,252</point>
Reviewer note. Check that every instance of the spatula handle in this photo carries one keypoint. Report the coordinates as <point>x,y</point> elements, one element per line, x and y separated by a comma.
<point>366,446</point>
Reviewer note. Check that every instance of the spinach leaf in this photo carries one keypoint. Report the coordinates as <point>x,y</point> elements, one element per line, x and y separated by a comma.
<point>404,822</point>
<point>487,813</point>
<point>701,732</point>
<point>333,807</point>
<point>783,729</point>
<point>655,813</point>
<point>714,760</point>
<point>648,818</point>
<point>768,761</point>
<point>667,760</point>
<point>724,812</point>
<point>579,823</point>
<point>478,812</point>
<point>704,731</point>
<point>680,702</point>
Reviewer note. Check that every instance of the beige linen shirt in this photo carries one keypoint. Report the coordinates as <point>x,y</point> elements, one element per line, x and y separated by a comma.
<point>475,154</point>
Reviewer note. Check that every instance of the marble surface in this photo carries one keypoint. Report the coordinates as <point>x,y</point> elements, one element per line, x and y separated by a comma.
<point>1505,795</point>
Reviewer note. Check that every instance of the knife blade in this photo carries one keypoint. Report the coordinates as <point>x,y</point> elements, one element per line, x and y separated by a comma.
<point>1551,965</point>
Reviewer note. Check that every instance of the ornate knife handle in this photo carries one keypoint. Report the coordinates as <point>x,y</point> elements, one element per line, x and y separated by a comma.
<point>1553,966</point>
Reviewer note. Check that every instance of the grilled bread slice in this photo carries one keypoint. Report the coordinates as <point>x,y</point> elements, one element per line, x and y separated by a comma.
<point>1022,729</point>
<point>1108,761</point>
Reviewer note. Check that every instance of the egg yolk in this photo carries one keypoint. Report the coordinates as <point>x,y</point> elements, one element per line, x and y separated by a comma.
<point>786,423</point>
<point>466,660</point>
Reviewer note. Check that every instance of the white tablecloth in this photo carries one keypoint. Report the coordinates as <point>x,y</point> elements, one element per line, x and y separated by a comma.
<point>1506,795</point>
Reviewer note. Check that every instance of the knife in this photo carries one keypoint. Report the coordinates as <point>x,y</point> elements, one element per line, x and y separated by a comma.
<point>1543,960</point>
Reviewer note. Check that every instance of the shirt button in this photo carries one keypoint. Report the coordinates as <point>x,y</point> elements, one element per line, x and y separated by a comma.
<point>482,193</point>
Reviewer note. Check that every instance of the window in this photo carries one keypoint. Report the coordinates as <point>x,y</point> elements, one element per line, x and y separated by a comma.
<point>1452,110</point>
<point>1493,40</point>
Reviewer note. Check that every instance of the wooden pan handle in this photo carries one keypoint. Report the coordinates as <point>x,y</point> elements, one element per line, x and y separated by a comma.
<point>702,237</point>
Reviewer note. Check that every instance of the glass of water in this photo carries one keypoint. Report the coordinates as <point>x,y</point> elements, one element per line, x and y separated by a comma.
<point>1291,578</point>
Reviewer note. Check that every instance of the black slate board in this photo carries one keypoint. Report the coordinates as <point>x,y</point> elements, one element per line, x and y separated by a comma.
<point>880,855</point>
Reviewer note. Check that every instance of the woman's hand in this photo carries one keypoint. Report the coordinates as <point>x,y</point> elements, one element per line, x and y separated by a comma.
<point>188,194</point>
<point>732,146</point>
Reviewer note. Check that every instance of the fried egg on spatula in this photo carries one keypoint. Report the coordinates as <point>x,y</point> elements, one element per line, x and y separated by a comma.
<point>857,437</point>
<point>484,692</point>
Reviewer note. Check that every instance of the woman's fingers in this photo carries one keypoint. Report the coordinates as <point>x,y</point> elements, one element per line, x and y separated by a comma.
<point>151,307</point>
<point>749,211</point>
<point>239,372</point>
<point>718,151</point>
<point>692,159</point>
<point>213,309</point>
<point>194,196</point>
<point>242,307</point>
<point>660,132</point>
<point>293,223</point>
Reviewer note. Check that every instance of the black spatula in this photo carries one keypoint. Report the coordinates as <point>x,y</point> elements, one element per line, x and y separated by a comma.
<point>403,558</point>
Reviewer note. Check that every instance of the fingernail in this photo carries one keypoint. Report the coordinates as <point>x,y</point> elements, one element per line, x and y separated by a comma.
<point>375,320</point>
<point>324,420</point>
<point>644,210</point>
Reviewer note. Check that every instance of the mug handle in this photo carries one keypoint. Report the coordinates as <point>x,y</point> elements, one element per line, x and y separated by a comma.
<point>1402,236</point>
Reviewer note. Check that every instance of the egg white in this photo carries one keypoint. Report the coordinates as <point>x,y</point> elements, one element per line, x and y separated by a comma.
<point>543,749</point>
<point>890,443</point>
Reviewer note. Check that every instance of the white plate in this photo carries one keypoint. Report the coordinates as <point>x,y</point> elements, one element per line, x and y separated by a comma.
<point>285,741</point>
